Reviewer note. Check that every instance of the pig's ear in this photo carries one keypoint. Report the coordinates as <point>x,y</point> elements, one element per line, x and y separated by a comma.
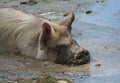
<point>46,35</point>
<point>67,21</point>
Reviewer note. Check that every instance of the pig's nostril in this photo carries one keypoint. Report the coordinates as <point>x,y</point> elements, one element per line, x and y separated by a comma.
<point>85,52</point>
<point>82,54</point>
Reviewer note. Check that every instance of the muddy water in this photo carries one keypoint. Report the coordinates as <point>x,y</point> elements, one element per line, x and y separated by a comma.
<point>96,28</point>
<point>99,32</point>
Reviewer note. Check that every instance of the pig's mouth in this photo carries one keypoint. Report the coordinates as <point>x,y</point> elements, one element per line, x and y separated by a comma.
<point>72,55</point>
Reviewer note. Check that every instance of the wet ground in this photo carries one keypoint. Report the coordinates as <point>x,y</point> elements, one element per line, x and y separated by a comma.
<point>96,28</point>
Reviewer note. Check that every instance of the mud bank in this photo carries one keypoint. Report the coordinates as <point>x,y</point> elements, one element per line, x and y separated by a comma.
<point>96,31</point>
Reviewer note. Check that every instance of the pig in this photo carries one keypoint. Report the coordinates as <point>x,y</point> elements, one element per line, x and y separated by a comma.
<point>30,35</point>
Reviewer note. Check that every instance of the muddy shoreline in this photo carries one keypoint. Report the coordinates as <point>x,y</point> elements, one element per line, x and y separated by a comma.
<point>22,67</point>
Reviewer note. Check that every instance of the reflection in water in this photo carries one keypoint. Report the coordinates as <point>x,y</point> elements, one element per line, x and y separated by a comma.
<point>100,35</point>
<point>39,80</point>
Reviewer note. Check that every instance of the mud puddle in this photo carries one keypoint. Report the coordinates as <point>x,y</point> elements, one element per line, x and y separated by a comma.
<point>97,31</point>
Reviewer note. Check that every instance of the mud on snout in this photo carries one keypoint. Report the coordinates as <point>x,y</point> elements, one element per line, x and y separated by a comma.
<point>72,55</point>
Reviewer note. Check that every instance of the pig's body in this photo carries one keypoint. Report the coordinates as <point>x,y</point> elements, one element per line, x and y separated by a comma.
<point>19,32</point>
<point>37,37</point>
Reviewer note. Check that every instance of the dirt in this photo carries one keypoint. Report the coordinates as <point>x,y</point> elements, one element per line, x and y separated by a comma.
<point>88,12</point>
<point>94,32</point>
<point>19,67</point>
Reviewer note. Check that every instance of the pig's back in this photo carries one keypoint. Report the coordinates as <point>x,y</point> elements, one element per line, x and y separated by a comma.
<point>13,23</point>
<point>7,14</point>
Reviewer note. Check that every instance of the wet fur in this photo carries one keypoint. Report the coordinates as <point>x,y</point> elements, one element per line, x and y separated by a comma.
<point>22,33</point>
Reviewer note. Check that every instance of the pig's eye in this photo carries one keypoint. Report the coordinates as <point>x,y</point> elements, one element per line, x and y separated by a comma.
<point>62,46</point>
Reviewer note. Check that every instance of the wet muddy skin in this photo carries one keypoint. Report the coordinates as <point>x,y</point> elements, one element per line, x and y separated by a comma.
<point>97,32</point>
<point>72,55</point>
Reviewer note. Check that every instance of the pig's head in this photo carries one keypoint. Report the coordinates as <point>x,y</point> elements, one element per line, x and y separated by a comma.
<point>60,46</point>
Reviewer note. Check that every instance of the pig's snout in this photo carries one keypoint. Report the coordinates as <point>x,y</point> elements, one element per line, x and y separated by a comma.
<point>81,53</point>
<point>72,55</point>
<point>82,57</point>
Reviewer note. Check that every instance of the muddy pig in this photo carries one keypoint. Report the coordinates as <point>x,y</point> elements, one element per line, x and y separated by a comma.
<point>26,34</point>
